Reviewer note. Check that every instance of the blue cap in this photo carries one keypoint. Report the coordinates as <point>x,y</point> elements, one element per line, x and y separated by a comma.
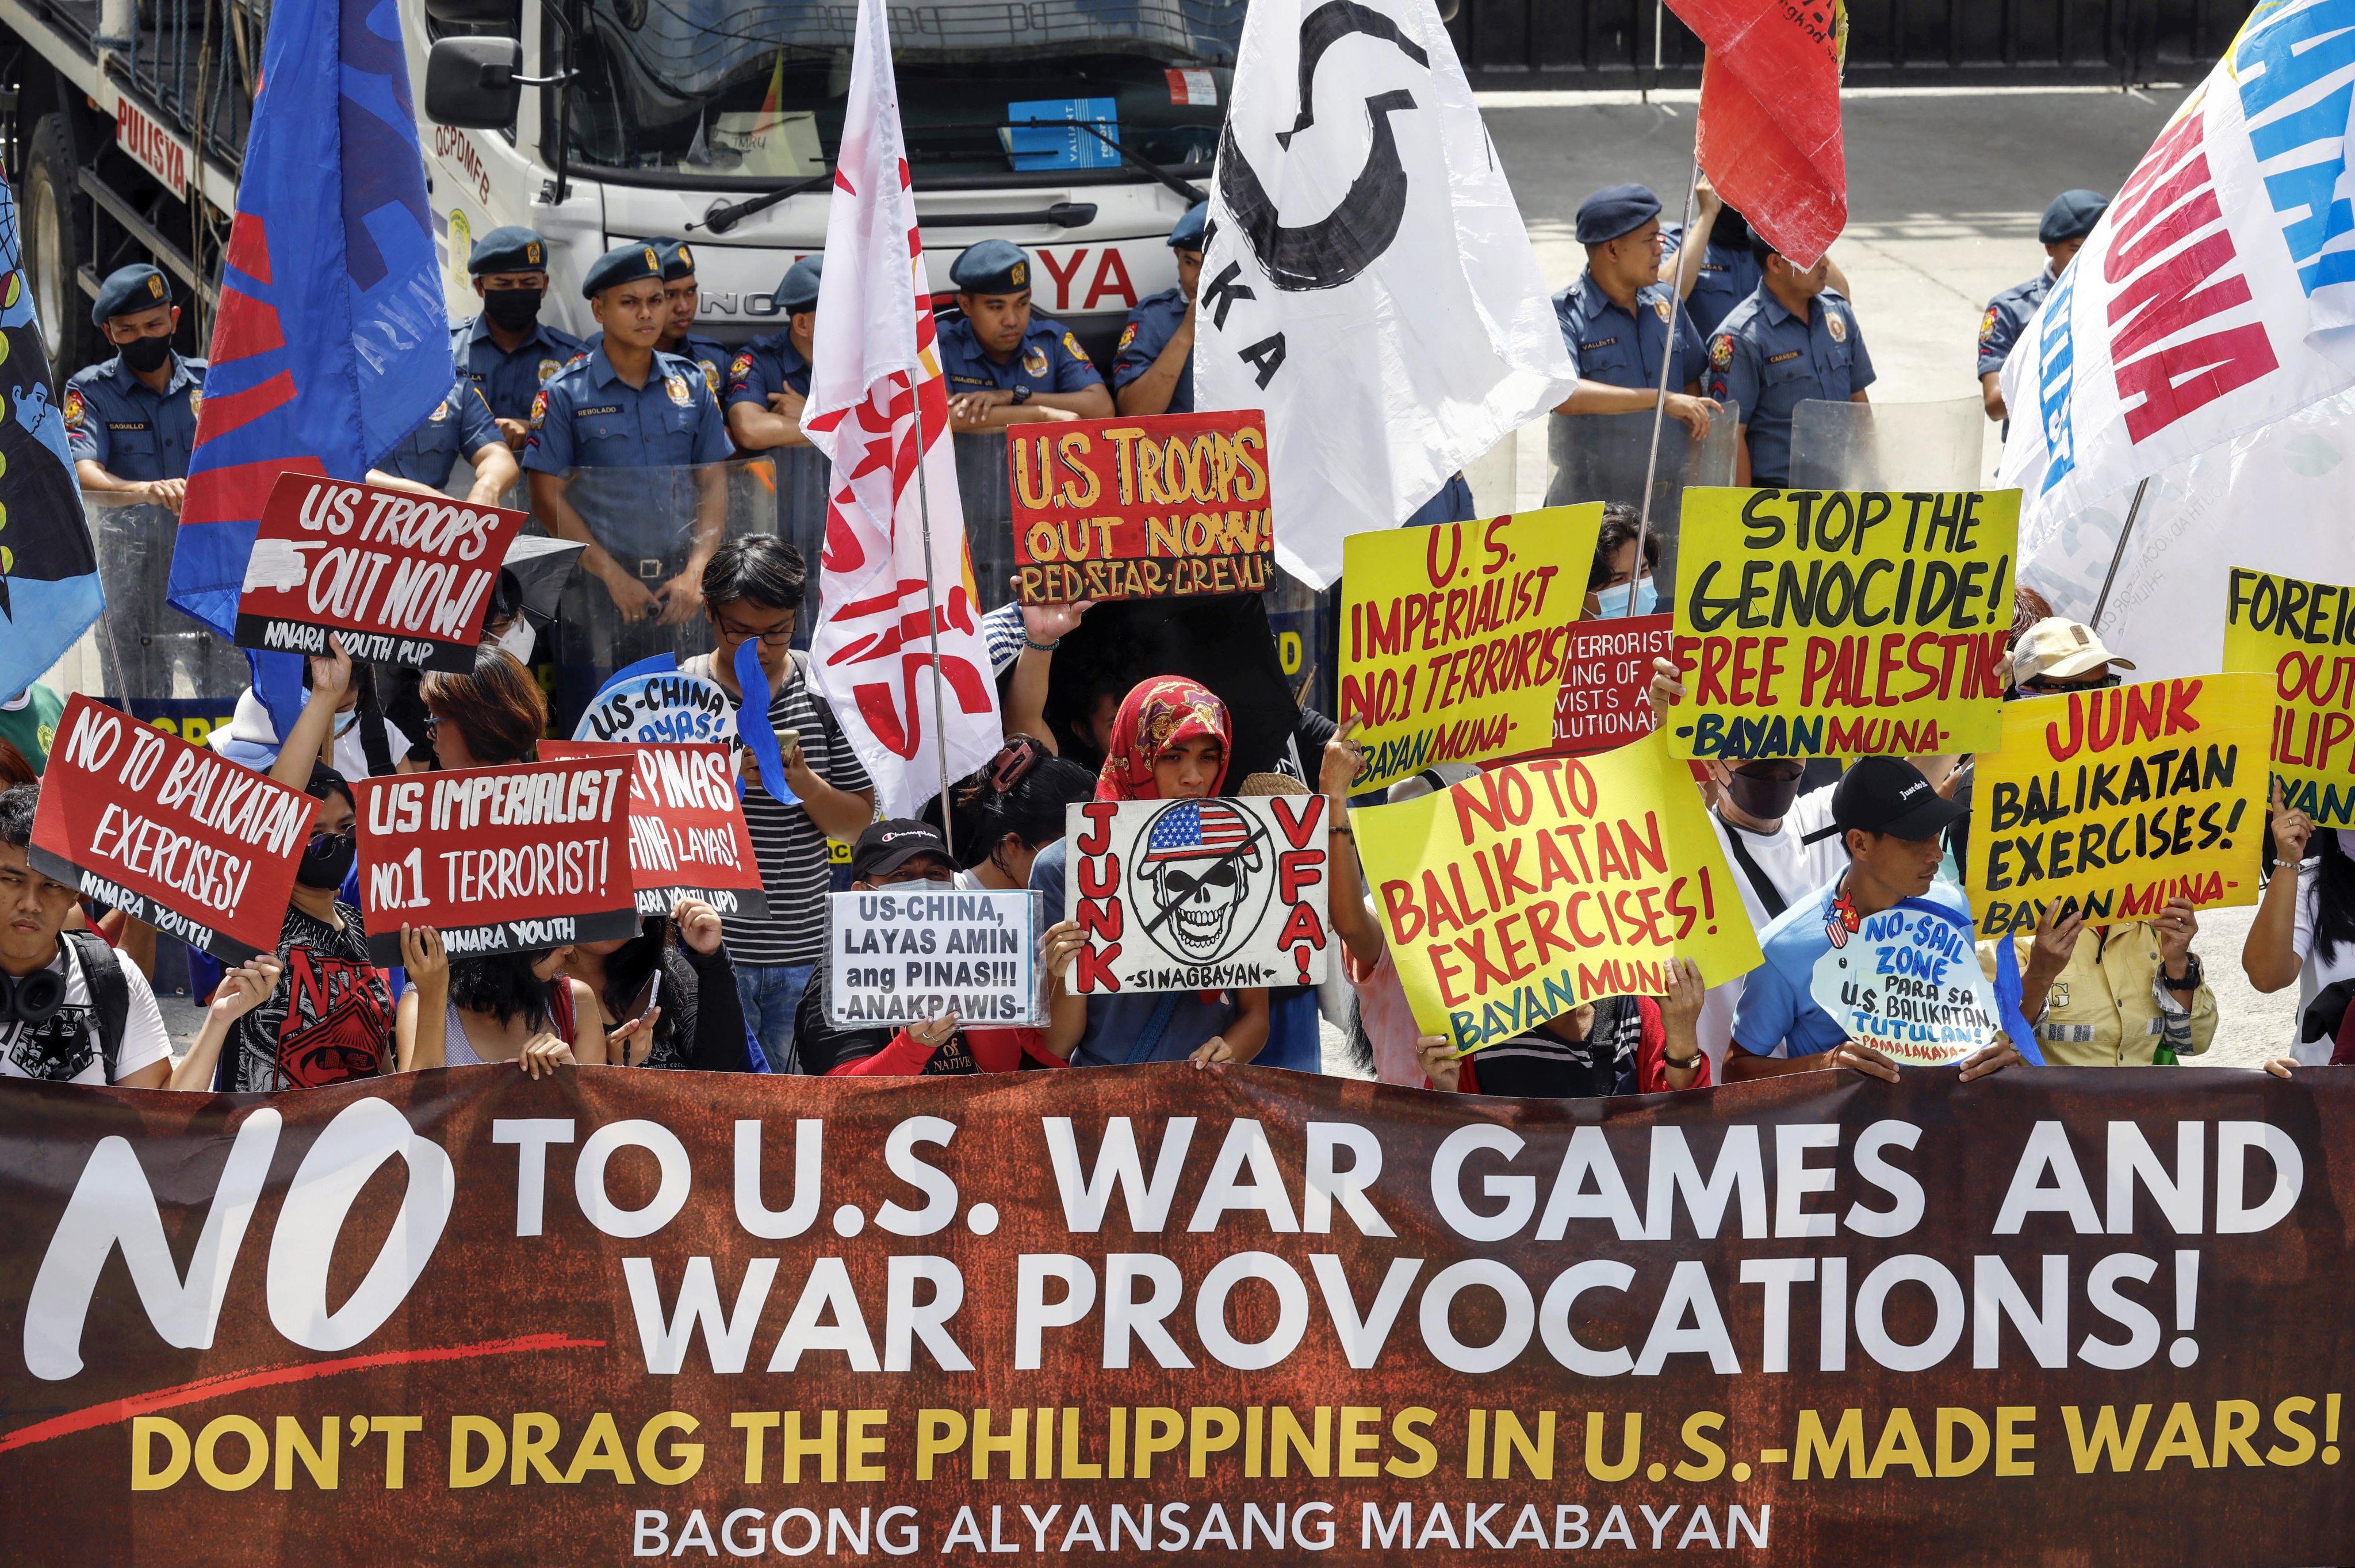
<point>622,264</point>
<point>798,291</point>
<point>678,261</point>
<point>992,267</point>
<point>509,249</point>
<point>1188,235</point>
<point>2071,215</point>
<point>1613,210</point>
<point>128,290</point>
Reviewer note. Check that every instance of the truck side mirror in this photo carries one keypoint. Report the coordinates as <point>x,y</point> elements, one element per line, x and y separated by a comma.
<point>471,83</point>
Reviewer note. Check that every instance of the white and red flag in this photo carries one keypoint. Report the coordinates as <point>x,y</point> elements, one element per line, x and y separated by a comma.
<point>876,366</point>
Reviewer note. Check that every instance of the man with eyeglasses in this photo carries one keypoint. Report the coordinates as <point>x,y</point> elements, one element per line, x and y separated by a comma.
<point>753,592</point>
<point>2058,654</point>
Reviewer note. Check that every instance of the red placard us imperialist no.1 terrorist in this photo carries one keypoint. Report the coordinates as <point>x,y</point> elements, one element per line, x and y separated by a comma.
<point>688,837</point>
<point>168,832</point>
<point>502,859</point>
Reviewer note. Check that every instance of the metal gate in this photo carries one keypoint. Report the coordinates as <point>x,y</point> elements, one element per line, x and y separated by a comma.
<point>1605,44</point>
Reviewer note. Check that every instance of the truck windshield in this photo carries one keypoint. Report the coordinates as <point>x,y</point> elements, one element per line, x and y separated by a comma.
<point>990,90</point>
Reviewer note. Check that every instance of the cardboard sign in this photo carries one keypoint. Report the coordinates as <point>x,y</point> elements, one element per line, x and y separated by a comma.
<point>169,833</point>
<point>1821,623</point>
<point>1517,895</point>
<point>2118,801</point>
<point>396,575</point>
<point>1452,639</point>
<point>1198,895</point>
<point>660,707</point>
<point>1908,982</point>
<point>502,859</point>
<point>2302,635</point>
<point>1141,508</point>
<point>1606,672</point>
<point>903,955</point>
<point>688,837</point>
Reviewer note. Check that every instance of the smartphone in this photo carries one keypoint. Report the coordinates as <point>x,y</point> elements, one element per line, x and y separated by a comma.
<point>787,739</point>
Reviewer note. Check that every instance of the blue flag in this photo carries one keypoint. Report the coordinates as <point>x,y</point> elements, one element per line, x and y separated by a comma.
<point>332,342</point>
<point>48,571</point>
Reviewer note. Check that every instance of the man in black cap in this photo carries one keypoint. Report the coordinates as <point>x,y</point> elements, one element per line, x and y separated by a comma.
<point>2062,233</point>
<point>1153,368</point>
<point>769,381</point>
<point>131,421</point>
<point>1615,317</point>
<point>1004,366</point>
<point>680,337</point>
<point>506,351</point>
<point>1892,823</point>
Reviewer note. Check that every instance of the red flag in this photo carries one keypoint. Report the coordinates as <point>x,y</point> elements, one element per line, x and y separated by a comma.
<point>1769,118</point>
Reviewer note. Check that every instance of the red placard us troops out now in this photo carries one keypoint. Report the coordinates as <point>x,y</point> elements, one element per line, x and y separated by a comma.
<point>502,859</point>
<point>396,575</point>
<point>688,837</point>
<point>168,832</point>
<point>1141,508</point>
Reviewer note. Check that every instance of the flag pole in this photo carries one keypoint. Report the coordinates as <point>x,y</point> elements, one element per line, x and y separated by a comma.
<point>2117,556</point>
<point>1667,363</point>
<point>931,610</point>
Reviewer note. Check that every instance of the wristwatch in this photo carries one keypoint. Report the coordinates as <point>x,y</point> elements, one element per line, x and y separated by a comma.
<point>2191,981</point>
<point>1022,394</point>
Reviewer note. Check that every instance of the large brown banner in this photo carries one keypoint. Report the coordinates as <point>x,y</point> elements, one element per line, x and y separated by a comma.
<point>1176,1315</point>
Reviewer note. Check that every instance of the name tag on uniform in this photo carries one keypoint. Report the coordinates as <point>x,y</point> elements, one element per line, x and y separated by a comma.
<point>1778,358</point>
<point>608,408</point>
<point>126,424</point>
<point>1601,343</point>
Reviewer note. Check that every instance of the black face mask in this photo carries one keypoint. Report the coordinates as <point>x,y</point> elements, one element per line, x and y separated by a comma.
<point>327,860</point>
<point>513,309</point>
<point>1761,797</point>
<point>144,354</point>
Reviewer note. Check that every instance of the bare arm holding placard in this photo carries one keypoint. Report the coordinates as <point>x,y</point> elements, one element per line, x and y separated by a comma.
<point>1353,922</point>
<point>1244,1038</point>
<point>419,1028</point>
<point>2269,954</point>
<point>241,990</point>
<point>1067,1012</point>
<point>1044,627</point>
<point>298,749</point>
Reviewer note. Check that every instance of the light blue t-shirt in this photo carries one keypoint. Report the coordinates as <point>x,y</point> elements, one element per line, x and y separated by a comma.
<point>1777,1003</point>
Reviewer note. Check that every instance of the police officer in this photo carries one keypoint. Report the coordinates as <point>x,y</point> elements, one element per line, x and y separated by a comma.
<point>625,404</point>
<point>1615,319</point>
<point>1793,339</point>
<point>680,336</point>
<point>131,421</point>
<point>460,423</point>
<point>1723,274</point>
<point>506,351</point>
<point>769,379</point>
<point>2062,233</point>
<point>1153,369</point>
<point>1004,365</point>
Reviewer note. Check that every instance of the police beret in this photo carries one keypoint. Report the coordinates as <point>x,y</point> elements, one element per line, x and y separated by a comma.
<point>1188,235</point>
<point>510,249</point>
<point>1615,210</point>
<point>798,291</point>
<point>128,290</point>
<point>2071,215</point>
<point>992,267</point>
<point>678,261</point>
<point>622,264</point>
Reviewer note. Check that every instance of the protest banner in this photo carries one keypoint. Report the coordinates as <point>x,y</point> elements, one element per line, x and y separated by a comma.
<point>903,955</point>
<point>1140,508</point>
<point>688,837</point>
<point>502,859</point>
<point>1198,895</point>
<point>1519,894</point>
<point>1453,636</point>
<point>1908,982</point>
<point>611,1315</point>
<point>2302,634</point>
<point>2116,800</point>
<point>168,832</point>
<point>396,575</point>
<point>1605,671</point>
<point>657,703</point>
<point>1843,623</point>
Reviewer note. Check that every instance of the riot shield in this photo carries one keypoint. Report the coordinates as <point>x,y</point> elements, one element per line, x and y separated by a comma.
<point>1889,446</point>
<point>153,662</point>
<point>804,476</point>
<point>1603,457</point>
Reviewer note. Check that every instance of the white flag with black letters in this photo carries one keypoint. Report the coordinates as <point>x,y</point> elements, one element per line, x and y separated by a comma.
<point>1366,279</point>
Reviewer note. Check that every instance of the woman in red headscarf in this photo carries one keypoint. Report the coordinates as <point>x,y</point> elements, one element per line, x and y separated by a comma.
<point>1170,742</point>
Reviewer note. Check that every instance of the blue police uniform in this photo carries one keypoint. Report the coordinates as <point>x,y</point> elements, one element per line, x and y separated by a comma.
<point>710,358</point>
<point>114,420</point>
<point>509,382</point>
<point>1770,361</point>
<point>2007,314</point>
<point>460,425</point>
<point>588,417</point>
<point>1729,274</point>
<point>1452,505</point>
<point>1047,360</point>
<point>1616,348</point>
<point>767,365</point>
<point>1150,326</point>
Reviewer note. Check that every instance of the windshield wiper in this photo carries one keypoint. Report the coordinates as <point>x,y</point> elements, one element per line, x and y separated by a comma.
<point>720,219</point>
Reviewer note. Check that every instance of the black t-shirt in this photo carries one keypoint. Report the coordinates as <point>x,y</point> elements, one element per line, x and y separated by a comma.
<point>330,1019</point>
<point>1540,1065</point>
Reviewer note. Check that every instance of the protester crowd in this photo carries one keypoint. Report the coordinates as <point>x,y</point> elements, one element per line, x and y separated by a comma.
<point>698,990</point>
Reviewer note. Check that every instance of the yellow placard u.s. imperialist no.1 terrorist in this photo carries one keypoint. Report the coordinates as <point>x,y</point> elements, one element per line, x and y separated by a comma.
<point>1451,638</point>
